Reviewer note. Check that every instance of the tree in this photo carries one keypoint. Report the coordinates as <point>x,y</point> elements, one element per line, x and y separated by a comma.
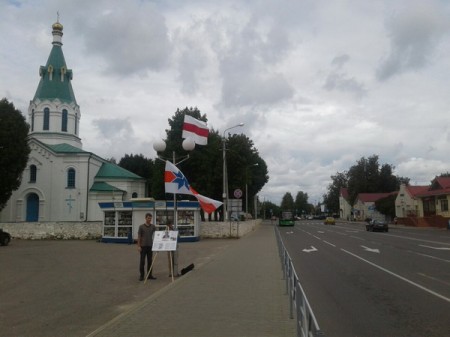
<point>301,203</point>
<point>287,202</point>
<point>386,205</point>
<point>269,209</point>
<point>331,199</point>
<point>14,149</point>
<point>367,177</point>
<point>204,167</point>
<point>141,166</point>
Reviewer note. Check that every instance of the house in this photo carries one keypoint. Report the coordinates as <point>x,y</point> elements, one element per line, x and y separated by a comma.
<point>364,207</point>
<point>433,209</point>
<point>345,209</point>
<point>63,182</point>
<point>407,203</point>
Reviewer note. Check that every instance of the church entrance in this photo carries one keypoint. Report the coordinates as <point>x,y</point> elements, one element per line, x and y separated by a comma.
<point>32,207</point>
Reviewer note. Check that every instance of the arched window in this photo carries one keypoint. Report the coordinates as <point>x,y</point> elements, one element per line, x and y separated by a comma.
<point>64,121</point>
<point>46,119</point>
<point>33,172</point>
<point>32,120</point>
<point>76,123</point>
<point>71,178</point>
<point>134,195</point>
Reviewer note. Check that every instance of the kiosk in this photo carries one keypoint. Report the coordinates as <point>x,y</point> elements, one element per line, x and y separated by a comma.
<point>123,218</point>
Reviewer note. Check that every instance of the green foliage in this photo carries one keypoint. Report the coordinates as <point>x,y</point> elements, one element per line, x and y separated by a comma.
<point>301,203</point>
<point>386,205</point>
<point>269,209</point>
<point>204,169</point>
<point>366,176</point>
<point>287,202</point>
<point>141,166</point>
<point>14,149</point>
<point>331,199</point>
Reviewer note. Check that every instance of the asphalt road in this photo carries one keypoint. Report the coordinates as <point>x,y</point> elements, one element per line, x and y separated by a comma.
<point>70,288</point>
<point>368,284</point>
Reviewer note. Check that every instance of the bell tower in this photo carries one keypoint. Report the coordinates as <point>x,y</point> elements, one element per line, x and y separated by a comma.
<point>54,114</point>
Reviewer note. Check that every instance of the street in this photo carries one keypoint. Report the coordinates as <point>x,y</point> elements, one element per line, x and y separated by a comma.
<point>367,284</point>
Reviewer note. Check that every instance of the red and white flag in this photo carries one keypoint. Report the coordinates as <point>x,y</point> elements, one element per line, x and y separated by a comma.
<point>175,182</point>
<point>195,129</point>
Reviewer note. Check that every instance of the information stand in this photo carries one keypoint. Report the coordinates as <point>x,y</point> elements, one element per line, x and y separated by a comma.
<point>164,241</point>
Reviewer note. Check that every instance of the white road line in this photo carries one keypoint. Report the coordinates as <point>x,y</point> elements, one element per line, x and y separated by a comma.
<point>329,243</point>
<point>356,237</point>
<point>437,248</point>
<point>399,277</point>
<point>430,256</point>
<point>433,278</point>
<point>416,239</point>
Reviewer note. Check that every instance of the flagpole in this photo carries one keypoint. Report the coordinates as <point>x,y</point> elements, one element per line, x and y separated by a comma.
<point>188,145</point>
<point>175,224</point>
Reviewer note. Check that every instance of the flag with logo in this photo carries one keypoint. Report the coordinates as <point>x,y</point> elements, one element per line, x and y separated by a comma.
<point>175,182</point>
<point>195,129</point>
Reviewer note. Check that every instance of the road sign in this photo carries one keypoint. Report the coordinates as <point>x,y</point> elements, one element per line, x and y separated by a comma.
<point>237,193</point>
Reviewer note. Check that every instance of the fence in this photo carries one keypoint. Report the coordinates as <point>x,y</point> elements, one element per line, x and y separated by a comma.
<point>306,321</point>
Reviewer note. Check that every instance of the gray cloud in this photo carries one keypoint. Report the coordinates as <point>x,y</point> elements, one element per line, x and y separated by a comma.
<point>129,42</point>
<point>414,34</point>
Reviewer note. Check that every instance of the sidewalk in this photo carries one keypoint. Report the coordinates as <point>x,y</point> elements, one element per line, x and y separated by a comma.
<point>240,292</point>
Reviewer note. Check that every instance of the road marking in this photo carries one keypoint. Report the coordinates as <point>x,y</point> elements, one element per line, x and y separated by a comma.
<point>320,232</point>
<point>312,249</point>
<point>328,243</point>
<point>399,277</point>
<point>433,278</point>
<point>372,250</point>
<point>430,256</point>
<point>437,248</point>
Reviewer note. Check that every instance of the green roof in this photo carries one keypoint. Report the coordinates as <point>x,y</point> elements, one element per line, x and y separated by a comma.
<point>104,187</point>
<point>65,148</point>
<point>113,171</point>
<point>54,88</point>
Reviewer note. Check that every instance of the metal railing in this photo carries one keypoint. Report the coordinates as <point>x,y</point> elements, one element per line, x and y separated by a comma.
<point>298,303</point>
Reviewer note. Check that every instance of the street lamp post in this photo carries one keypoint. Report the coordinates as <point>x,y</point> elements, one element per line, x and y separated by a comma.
<point>246,188</point>
<point>188,145</point>
<point>225,173</point>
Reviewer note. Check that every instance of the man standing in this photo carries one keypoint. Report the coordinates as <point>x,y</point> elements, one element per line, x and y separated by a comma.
<point>145,243</point>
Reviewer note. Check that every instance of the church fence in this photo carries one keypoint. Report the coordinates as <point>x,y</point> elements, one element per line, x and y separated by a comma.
<point>93,230</point>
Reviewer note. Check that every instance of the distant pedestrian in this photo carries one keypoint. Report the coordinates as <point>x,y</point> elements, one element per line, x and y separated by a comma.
<point>145,242</point>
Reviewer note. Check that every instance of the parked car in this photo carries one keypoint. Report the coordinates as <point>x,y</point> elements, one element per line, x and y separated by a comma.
<point>329,221</point>
<point>377,225</point>
<point>5,238</point>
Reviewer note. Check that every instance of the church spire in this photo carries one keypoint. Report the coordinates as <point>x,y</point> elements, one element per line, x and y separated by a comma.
<point>54,112</point>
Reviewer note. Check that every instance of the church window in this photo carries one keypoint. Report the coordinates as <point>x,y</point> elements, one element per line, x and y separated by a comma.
<point>71,178</point>
<point>32,120</point>
<point>64,121</point>
<point>33,172</point>
<point>46,119</point>
<point>76,123</point>
<point>63,72</point>
<point>50,72</point>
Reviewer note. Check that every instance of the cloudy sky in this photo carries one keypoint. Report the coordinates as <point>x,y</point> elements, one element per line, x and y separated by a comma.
<point>318,83</point>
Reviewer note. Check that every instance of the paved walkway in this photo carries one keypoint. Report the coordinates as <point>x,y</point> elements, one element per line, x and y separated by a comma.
<point>240,292</point>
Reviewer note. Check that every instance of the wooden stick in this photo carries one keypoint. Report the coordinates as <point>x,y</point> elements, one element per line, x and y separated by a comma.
<point>150,270</point>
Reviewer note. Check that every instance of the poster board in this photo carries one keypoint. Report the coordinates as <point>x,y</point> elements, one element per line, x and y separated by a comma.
<point>165,241</point>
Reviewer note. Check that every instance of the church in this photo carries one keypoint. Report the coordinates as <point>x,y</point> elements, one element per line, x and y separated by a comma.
<point>63,182</point>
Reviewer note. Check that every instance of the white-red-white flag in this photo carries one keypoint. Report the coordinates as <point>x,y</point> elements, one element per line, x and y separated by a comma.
<point>195,129</point>
<point>175,182</point>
